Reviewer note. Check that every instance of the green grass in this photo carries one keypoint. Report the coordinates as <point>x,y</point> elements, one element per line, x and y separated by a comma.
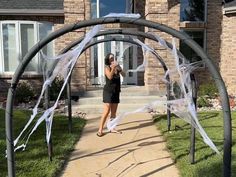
<point>207,163</point>
<point>34,160</point>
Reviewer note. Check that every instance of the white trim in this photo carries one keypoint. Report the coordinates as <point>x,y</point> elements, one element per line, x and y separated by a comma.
<point>18,43</point>
<point>101,64</point>
<point>1,49</point>
<point>38,12</point>
<point>113,47</point>
<point>229,10</point>
<point>98,6</point>
<point>128,6</point>
<point>53,42</point>
<point>120,50</point>
<point>37,34</point>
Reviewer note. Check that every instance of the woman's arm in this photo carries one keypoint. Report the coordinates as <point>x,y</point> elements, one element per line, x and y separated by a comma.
<point>109,71</point>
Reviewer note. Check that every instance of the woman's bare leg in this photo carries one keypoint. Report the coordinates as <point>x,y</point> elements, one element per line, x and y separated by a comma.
<point>113,109</point>
<point>106,110</point>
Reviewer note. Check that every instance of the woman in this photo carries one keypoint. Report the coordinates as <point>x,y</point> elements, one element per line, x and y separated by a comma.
<point>111,90</point>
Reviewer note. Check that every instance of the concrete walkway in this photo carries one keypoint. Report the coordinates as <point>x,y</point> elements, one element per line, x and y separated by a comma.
<point>139,151</point>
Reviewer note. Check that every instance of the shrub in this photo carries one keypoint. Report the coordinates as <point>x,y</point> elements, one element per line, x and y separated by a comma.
<point>202,101</point>
<point>24,92</point>
<point>55,88</point>
<point>177,90</point>
<point>208,89</point>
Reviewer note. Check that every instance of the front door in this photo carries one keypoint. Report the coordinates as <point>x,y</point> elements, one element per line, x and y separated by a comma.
<point>130,62</point>
<point>125,54</point>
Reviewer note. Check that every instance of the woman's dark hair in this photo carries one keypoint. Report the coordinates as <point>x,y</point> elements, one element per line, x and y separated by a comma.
<point>107,61</point>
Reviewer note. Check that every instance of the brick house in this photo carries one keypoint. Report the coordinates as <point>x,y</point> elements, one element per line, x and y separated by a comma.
<point>210,22</point>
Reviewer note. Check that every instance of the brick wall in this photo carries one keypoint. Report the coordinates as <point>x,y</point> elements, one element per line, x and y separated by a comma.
<point>76,11</point>
<point>228,52</point>
<point>163,12</point>
<point>214,29</point>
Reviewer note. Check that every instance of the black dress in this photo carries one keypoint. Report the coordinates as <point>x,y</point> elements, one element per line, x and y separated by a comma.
<point>111,90</point>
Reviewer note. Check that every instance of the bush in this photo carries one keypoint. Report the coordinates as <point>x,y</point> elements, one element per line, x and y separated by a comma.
<point>209,90</point>
<point>55,88</point>
<point>203,102</point>
<point>24,92</point>
<point>177,91</point>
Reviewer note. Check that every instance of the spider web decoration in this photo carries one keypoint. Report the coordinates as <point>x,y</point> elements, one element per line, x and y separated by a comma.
<point>181,104</point>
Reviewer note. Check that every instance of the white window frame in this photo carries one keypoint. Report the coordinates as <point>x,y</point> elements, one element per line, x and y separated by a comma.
<point>18,24</point>
<point>1,51</point>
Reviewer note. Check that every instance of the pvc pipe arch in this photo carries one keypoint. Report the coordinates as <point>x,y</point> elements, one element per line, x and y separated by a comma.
<point>124,20</point>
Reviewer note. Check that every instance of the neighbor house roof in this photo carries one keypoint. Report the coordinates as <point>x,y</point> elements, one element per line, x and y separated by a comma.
<point>230,7</point>
<point>31,7</point>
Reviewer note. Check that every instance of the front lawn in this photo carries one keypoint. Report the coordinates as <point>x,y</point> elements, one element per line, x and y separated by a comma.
<point>208,164</point>
<point>34,160</point>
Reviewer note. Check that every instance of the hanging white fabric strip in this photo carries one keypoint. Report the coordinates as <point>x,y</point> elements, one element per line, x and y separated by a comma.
<point>64,68</point>
<point>181,105</point>
<point>123,15</point>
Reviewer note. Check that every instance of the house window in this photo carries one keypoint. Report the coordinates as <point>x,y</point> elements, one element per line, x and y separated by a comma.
<point>199,37</point>
<point>100,8</point>
<point>18,38</point>
<point>192,10</point>
<point>9,47</point>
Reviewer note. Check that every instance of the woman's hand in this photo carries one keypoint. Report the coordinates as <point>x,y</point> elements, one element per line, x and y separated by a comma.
<point>109,71</point>
<point>113,65</point>
<point>118,68</point>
